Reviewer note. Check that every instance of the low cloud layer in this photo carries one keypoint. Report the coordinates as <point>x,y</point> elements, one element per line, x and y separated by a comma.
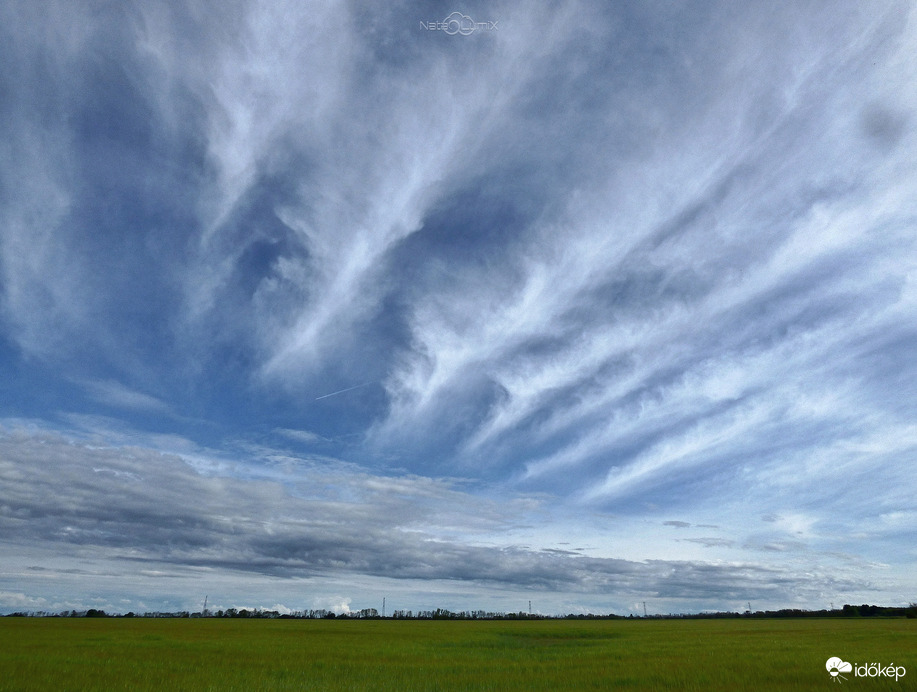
<point>144,515</point>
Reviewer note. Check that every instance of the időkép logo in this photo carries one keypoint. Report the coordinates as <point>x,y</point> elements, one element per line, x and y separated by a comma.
<point>837,666</point>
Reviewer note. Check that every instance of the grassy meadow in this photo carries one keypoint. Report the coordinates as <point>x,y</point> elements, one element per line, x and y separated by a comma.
<point>40,654</point>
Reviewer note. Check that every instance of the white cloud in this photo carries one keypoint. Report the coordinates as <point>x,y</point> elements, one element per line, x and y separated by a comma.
<point>116,394</point>
<point>306,436</point>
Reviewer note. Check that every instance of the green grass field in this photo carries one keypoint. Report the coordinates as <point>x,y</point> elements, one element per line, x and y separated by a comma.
<point>250,655</point>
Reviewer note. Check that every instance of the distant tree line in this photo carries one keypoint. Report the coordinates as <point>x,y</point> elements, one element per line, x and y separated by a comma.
<point>848,611</point>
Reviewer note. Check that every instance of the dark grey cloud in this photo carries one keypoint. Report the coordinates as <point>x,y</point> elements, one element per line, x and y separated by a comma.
<point>710,542</point>
<point>135,506</point>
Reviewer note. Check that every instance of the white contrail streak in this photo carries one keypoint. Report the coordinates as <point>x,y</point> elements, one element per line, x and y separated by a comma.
<point>349,389</point>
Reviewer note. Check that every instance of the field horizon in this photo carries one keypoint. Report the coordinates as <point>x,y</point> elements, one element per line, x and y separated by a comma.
<point>377,654</point>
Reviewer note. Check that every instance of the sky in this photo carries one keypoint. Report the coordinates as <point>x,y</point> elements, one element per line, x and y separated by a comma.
<point>460,305</point>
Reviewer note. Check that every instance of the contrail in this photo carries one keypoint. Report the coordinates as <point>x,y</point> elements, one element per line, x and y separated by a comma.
<point>349,389</point>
